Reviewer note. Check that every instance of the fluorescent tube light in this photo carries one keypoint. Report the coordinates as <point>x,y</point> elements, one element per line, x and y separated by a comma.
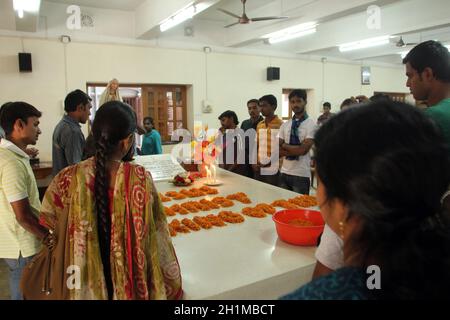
<point>184,14</point>
<point>26,5</point>
<point>291,36</point>
<point>367,43</point>
<point>292,32</point>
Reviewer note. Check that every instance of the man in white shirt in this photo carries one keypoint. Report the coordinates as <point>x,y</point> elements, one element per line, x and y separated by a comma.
<point>329,254</point>
<point>20,231</point>
<point>296,139</point>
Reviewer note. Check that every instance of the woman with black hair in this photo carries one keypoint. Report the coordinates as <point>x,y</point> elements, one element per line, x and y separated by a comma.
<point>107,215</point>
<point>387,201</point>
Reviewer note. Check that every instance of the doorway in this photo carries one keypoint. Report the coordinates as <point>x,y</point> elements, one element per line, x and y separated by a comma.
<point>166,104</point>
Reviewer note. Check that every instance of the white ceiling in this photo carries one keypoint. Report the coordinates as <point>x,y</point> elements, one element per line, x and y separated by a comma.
<point>234,6</point>
<point>126,5</point>
<point>339,21</point>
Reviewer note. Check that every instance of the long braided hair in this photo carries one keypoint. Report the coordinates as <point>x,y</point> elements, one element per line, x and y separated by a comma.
<point>114,121</point>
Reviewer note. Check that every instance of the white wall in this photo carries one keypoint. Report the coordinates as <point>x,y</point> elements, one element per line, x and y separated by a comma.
<point>107,23</point>
<point>232,78</point>
<point>43,88</point>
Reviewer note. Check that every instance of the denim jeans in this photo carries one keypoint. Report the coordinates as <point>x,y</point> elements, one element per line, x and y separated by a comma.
<point>269,179</point>
<point>295,183</point>
<point>16,267</point>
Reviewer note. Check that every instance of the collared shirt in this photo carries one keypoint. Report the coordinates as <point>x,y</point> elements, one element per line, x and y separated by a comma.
<point>265,132</point>
<point>17,182</point>
<point>68,144</point>
<point>249,124</point>
<point>300,167</point>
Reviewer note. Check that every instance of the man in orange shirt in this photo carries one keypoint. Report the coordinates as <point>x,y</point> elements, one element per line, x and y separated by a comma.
<point>266,170</point>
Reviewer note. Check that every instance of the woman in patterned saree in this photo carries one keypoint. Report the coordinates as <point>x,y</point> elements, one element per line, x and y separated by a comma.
<point>114,227</point>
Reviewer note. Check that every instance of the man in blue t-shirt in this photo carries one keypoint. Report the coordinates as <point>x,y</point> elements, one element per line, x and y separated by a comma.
<point>151,143</point>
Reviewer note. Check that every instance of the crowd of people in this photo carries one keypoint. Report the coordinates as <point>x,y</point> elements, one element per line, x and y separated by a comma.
<point>383,171</point>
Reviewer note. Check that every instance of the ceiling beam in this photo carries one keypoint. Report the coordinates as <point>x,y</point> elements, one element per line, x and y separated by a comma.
<point>398,18</point>
<point>306,11</point>
<point>151,13</point>
<point>9,19</point>
<point>29,22</point>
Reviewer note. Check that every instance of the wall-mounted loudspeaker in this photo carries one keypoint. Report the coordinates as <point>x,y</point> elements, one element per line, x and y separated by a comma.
<point>25,62</point>
<point>273,73</point>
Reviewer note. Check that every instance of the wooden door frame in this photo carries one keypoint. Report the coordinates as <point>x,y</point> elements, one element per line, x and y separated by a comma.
<point>144,98</point>
<point>166,88</point>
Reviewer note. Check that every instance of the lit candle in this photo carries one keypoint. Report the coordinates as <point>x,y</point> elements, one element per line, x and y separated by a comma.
<point>208,175</point>
<point>213,173</point>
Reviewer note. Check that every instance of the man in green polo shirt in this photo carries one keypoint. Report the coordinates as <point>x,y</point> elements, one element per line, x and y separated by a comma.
<point>20,231</point>
<point>428,72</point>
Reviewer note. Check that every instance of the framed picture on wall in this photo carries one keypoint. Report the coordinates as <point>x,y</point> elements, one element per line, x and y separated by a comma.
<point>365,75</point>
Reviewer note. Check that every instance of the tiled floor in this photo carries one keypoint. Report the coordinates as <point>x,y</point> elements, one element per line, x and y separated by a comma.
<point>4,287</point>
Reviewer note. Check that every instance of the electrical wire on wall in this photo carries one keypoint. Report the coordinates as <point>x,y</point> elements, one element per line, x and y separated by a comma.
<point>207,105</point>
<point>65,69</point>
<point>324,60</point>
<point>206,51</point>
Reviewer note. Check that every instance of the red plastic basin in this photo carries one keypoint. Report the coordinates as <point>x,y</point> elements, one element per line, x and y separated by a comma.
<point>299,235</point>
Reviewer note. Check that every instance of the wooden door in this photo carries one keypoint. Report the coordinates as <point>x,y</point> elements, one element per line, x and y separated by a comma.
<point>167,106</point>
<point>135,103</point>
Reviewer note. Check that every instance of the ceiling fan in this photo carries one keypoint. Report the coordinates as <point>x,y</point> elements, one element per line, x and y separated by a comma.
<point>400,43</point>
<point>243,19</point>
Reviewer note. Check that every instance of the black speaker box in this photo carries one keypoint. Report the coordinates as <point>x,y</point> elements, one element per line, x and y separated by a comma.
<point>25,62</point>
<point>273,73</point>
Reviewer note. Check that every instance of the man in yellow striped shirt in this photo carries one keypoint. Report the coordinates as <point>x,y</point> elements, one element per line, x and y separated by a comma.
<point>20,231</point>
<point>266,170</point>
